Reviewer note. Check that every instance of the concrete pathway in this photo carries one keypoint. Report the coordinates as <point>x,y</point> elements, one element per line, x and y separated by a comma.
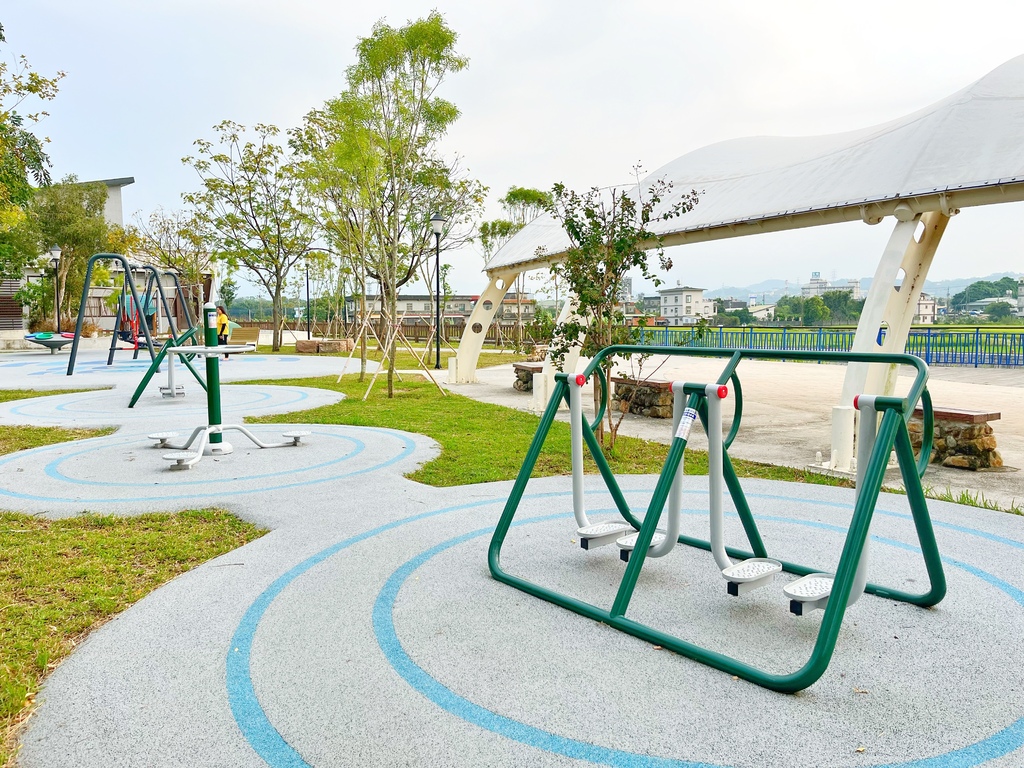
<point>364,629</point>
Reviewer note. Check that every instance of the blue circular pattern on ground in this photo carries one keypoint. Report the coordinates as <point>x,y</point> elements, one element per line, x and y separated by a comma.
<point>271,746</point>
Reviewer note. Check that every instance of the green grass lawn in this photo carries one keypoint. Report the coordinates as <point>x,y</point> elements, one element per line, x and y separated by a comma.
<point>60,579</point>
<point>466,430</point>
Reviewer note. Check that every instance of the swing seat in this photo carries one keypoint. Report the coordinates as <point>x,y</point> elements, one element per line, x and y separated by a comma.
<point>748,575</point>
<point>125,336</point>
<point>628,543</point>
<point>599,534</point>
<point>809,593</point>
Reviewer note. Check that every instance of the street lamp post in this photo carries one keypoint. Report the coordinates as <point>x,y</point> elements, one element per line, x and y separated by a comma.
<point>55,263</point>
<point>437,222</point>
<point>308,336</point>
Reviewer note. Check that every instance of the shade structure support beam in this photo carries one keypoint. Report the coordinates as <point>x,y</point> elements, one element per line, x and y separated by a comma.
<point>543,384</point>
<point>885,321</point>
<point>475,332</point>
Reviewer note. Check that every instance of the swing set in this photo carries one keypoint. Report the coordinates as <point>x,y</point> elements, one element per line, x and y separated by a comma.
<point>883,427</point>
<point>132,320</point>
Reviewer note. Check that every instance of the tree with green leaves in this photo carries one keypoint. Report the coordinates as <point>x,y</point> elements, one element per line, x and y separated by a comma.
<point>389,153</point>
<point>22,159</point>
<point>521,205</point>
<point>68,215</point>
<point>610,235</point>
<point>999,310</point>
<point>252,207</point>
<point>179,241</point>
<point>983,289</point>
<point>815,311</point>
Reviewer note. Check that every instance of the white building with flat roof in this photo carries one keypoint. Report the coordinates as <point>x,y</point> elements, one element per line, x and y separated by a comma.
<point>685,305</point>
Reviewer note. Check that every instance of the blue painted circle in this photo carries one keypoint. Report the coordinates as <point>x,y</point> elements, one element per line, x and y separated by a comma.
<point>271,746</point>
<point>408,447</point>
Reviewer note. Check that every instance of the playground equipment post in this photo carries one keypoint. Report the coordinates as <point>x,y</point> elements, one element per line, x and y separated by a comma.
<point>212,370</point>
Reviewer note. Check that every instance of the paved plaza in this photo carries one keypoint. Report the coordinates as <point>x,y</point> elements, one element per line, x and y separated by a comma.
<point>365,629</point>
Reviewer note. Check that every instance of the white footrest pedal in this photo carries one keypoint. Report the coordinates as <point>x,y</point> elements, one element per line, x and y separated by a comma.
<point>809,593</point>
<point>182,459</point>
<point>627,544</point>
<point>748,575</point>
<point>296,435</point>
<point>179,391</point>
<point>598,534</point>
<point>162,438</point>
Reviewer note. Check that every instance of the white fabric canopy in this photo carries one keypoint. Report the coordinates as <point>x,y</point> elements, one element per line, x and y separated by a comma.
<point>969,147</point>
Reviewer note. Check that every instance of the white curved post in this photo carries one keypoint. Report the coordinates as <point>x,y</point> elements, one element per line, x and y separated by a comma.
<point>475,332</point>
<point>579,507</point>
<point>889,308</point>
<point>716,471</point>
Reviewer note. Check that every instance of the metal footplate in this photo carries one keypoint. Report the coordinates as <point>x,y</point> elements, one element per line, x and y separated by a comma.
<point>628,543</point>
<point>809,593</point>
<point>599,534</point>
<point>182,459</point>
<point>748,575</point>
<point>162,438</point>
<point>296,436</point>
<point>168,393</point>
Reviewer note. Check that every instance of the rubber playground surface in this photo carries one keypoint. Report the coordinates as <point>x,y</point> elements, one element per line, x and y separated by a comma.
<point>365,629</point>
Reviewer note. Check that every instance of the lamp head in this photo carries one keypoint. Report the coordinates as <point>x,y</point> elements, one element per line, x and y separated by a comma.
<point>54,255</point>
<point>437,222</point>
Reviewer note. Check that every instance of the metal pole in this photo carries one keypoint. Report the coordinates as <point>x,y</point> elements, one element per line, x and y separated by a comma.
<point>212,371</point>
<point>56,292</point>
<point>437,325</point>
<point>308,336</point>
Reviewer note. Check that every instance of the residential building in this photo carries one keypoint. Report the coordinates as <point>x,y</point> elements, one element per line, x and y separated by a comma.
<point>685,305</point>
<point>926,310</point>
<point>818,286</point>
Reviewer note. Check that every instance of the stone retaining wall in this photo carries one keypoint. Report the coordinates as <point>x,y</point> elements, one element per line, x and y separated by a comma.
<point>654,401</point>
<point>956,444</point>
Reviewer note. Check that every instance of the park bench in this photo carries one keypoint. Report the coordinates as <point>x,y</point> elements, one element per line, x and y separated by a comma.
<point>963,438</point>
<point>524,375</point>
<point>245,336</point>
<point>652,397</point>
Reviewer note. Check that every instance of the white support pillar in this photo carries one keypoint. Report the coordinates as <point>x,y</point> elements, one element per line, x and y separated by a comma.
<point>544,382</point>
<point>890,308</point>
<point>462,369</point>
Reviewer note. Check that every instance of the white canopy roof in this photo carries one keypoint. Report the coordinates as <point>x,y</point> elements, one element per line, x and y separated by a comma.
<point>967,149</point>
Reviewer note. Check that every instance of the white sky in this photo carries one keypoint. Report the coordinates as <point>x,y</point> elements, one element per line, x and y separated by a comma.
<point>568,91</point>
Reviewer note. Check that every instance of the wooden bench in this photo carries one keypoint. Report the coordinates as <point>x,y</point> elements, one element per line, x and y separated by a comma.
<point>524,375</point>
<point>963,438</point>
<point>652,397</point>
<point>244,336</point>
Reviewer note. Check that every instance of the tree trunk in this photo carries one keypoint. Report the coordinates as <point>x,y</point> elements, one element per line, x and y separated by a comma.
<point>390,341</point>
<point>278,315</point>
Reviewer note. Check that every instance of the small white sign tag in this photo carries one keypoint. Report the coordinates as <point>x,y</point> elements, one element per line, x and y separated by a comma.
<point>683,431</point>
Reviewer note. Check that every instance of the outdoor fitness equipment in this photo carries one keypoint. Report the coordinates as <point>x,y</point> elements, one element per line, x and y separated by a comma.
<point>831,592</point>
<point>128,291</point>
<point>52,341</point>
<point>211,436</point>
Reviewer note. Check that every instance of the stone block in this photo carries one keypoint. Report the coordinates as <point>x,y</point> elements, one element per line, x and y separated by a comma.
<point>331,345</point>
<point>962,462</point>
<point>306,346</point>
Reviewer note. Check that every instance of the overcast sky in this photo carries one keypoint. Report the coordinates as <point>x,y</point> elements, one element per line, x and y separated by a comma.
<point>568,91</point>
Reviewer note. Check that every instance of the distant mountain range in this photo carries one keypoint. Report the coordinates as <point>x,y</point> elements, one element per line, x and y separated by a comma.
<point>770,291</point>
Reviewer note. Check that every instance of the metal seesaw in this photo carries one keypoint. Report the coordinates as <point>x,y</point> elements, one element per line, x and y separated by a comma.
<point>831,591</point>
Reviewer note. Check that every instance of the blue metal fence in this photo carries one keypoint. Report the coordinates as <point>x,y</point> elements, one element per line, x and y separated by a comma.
<point>936,346</point>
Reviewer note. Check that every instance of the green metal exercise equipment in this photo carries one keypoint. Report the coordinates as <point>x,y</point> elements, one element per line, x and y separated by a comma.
<point>883,428</point>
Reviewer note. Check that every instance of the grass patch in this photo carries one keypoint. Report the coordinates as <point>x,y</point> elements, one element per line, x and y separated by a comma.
<point>969,499</point>
<point>18,438</point>
<point>60,579</point>
<point>404,360</point>
<point>7,395</point>
<point>466,430</point>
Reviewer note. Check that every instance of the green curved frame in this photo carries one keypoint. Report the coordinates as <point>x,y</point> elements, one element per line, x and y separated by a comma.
<point>892,433</point>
